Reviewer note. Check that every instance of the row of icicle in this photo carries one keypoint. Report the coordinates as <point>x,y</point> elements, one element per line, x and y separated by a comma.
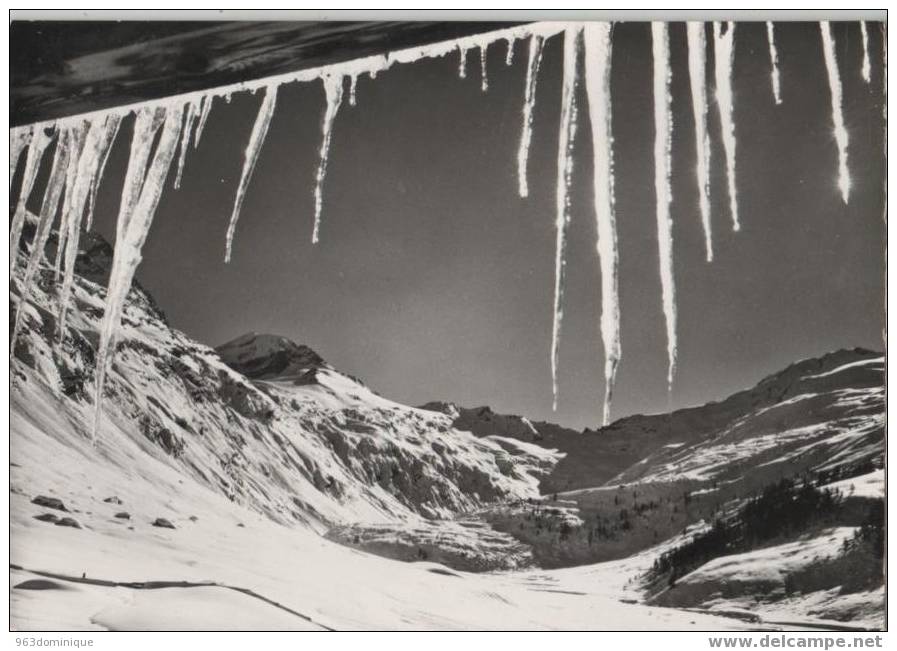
<point>163,128</point>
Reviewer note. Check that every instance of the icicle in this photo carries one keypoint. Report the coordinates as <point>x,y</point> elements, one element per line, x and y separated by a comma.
<point>484,76</point>
<point>47,214</point>
<point>697,72</point>
<point>834,82</point>
<point>866,70</point>
<point>597,74</point>
<point>724,52</point>
<point>256,139</point>
<point>353,81</point>
<point>204,110</point>
<point>529,103</point>
<point>133,226</point>
<point>462,64</point>
<point>333,88</point>
<point>566,138</point>
<point>186,132</point>
<point>77,136</point>
<point>19,139</point>
<point>773,62</point>
<point>509,54</point>
<point>146,126</point>
<point>663,132</point>
<point>112,125</point>
<point>88,163</point>
<point>36,148</point>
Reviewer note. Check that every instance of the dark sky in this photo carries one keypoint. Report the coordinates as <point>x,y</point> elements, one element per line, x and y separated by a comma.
<point>433,279</point>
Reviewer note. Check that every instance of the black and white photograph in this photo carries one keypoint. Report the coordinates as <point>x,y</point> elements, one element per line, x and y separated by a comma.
<point>454,321</point>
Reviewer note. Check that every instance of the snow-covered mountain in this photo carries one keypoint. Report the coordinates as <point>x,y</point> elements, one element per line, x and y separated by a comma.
<point>818,415</point>
<point>219,470</point>
<point>262,420</point>
<point>646,484</point>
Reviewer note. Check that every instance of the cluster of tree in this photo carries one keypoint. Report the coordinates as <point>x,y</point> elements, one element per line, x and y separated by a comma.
<point>847,471</point>
<point>782,510</point>
<point>859,566</point>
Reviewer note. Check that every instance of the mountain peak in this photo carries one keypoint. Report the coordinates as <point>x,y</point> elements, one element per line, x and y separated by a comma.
<point>265,356</point>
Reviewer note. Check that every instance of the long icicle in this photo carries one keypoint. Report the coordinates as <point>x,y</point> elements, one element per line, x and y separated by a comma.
<point>529,104</point>
<point>484,74</point>
<point>204,109</point>
<point>697,72</point>
<point>724,53</point>
<point>663,132</point>
<point>146,126</point>
<point>773,62</point>
<point>190,116</point>
<point>36,149</point>
<point>598,50</point>
<point>19,139</point>
<point>112,125</point>
<point>256,140</point>
<point>866,69</point>
<point>834,82</point>
<point>132,229</point>
<point>86,173</point>
<point>566,137</point>
<point>48,210</point>
<point>77,136</point>
<point>353,86</point>
<point>333,89</point>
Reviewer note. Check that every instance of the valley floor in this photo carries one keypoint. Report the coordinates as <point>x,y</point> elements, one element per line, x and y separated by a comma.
<point>298,580</point>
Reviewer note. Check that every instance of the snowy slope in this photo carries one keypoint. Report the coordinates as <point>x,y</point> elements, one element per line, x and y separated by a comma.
<point>820,414</point>
<point>318,448</point>
<point>756,583</point>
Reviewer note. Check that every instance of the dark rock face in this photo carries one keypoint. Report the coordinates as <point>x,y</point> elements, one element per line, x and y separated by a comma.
<point>68,522</point>
<point>47,517</point>
<point>49,502</point>
<point>112,500</point>
<point>264,356</point>
<point>162,522</point>
<point>244,399</point>
<point>124,515</point>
